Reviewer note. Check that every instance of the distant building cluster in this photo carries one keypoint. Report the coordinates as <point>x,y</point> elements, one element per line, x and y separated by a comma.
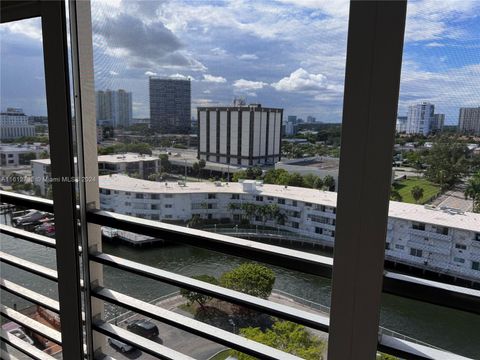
<point>14,124</point>
<point>240,135</point>
<point>114,108</point>
<point>421,119</point>
<point>290,127</point>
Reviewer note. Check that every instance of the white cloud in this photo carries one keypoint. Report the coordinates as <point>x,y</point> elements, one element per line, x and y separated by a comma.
<point>31,28</point>
<point>150,73</point>
<point>214,79</point>
<point>248,57</point>
<point>430,20</point>
<point>434,44</point>
<point>218,51</point>
<point>113,73</point>
<point>245,85</point>
<point>301,80</point>
<point>181,77</point>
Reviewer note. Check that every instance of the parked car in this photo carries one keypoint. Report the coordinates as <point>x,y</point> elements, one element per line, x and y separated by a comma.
<point>31,217</point>
<point>120,346</point>
<point>45,228</point>
<point>21,335</point>
<point>144,328</point>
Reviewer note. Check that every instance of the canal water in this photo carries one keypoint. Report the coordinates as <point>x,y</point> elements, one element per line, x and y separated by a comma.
<point>448,329</point>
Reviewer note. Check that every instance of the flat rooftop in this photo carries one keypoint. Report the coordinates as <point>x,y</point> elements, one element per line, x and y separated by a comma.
<point>468,221</point>
<point>115,158</point>
<point>321,163</point>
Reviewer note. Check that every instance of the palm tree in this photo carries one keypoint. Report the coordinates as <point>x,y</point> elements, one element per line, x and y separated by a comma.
<point>417,193</point>
<point>473,191</point>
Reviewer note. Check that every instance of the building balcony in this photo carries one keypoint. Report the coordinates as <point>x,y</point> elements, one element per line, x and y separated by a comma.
<point>430,234</point>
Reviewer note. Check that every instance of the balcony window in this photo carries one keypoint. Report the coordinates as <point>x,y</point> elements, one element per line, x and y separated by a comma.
<point>442,230</point>
<point>416,252</point>
<point>418,226</point>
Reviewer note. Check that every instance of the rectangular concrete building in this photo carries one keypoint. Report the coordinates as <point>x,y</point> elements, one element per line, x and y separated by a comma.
<point>170,101</point>
<point>469,121</point>
<point>243,135</point>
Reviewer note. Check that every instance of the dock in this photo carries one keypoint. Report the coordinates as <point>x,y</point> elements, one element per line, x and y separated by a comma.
<point>129,238</point>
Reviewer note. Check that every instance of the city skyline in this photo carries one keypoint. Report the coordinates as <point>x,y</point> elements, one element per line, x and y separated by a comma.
<point>226,52</point>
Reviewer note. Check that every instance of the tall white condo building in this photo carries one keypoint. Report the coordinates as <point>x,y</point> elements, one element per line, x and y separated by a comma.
<point>419,118</point>
<point>240,135</point>
<point>114,107</point>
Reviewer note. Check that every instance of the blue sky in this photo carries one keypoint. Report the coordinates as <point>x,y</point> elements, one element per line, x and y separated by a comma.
<point>283,53</point>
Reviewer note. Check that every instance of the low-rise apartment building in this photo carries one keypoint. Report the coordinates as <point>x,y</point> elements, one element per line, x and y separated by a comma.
<point>129,163</point>
<point>440,240</point>
<point>13,155</point>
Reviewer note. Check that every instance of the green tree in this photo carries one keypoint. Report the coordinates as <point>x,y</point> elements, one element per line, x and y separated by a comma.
<point>472,191</point>
<point>201,165</point>
<point>309,180</point>
<point>417,193</point>
<point>329,183</point>
<point>295,179</point>
<point>27,157</point>
<point>196,169</point>
<point>395,195</point>
<point>318,183</point>
<point>141,148</point>
<point>286,336</point>
<point>155,177</point>
<point>272,176</point>
<point>250,278</point>
<point>195,297</point>
<point>165,164</point>
<point>44,155</point>
<point>446,162</point>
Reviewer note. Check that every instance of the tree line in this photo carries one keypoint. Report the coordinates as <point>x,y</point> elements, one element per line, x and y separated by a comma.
<point>283,177</point>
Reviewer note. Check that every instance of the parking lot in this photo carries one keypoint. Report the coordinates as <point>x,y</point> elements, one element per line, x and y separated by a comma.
<point>173,338</point>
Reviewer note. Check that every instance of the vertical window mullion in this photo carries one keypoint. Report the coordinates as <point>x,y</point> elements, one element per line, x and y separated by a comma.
<point>63,170</point>
<point>374,54</point>
<point>87,162</point>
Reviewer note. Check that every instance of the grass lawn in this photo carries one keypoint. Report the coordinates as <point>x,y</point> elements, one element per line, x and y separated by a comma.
<point>404,188</point>
<point>221,355</point>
